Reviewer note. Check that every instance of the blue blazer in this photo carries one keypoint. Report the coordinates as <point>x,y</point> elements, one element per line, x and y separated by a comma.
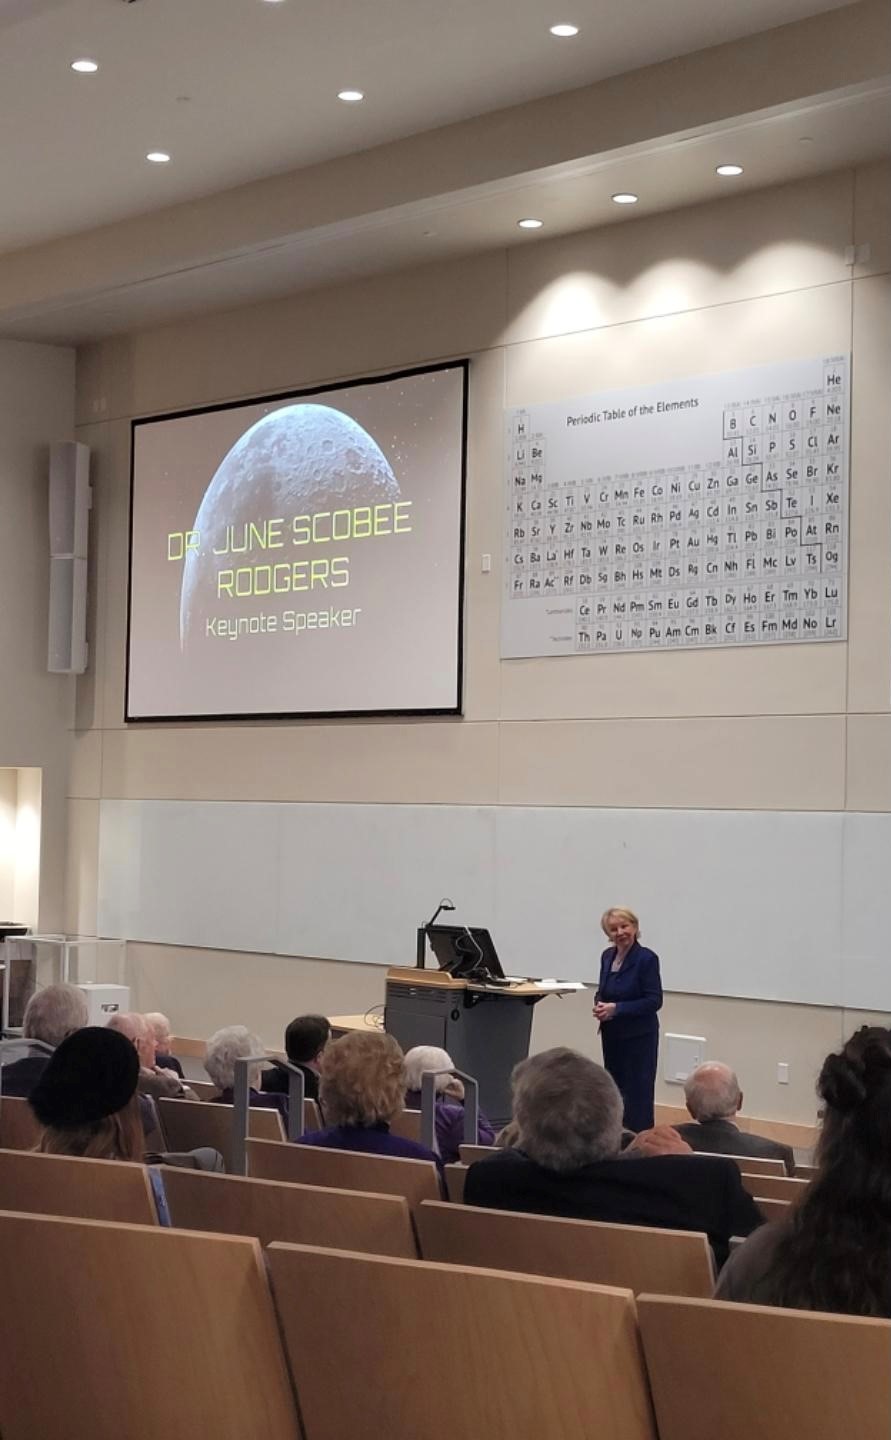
<point>636,990</point>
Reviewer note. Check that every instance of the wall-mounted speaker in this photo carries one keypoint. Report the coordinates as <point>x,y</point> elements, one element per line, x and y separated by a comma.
<point>70,497</point>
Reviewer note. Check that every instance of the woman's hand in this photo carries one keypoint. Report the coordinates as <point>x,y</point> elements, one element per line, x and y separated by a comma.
<point>604,1010</point>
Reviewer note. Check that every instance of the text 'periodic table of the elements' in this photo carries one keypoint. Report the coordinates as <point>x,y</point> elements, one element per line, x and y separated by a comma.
<point>705,511</point>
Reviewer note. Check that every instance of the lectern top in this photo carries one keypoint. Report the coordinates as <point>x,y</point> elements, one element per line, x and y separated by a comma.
<point>412,975</point>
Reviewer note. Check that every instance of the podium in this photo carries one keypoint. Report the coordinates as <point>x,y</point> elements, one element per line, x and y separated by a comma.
<point>485,1028</point>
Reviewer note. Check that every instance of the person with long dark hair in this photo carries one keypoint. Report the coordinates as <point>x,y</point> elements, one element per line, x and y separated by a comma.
<point>832,1254</point>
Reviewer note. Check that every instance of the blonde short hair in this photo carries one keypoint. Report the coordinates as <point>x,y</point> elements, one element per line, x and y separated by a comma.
<point>623,913</point>
<point>362,1079</point>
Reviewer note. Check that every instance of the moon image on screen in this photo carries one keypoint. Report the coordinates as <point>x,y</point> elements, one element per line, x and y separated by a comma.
<point>299,460</point>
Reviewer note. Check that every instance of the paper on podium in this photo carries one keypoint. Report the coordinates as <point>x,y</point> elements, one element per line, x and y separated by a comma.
<point>548,984</point>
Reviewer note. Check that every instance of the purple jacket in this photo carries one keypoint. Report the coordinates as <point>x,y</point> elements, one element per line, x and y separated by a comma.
<point>371,1139</point>
<point>450,1126</point>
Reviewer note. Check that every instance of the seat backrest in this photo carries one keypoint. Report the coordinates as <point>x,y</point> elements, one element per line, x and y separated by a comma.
<point>190,1123</point>
<point>664,1262</point>
<point>455,1176</point>
<point>19,1126</point>
<point>741,1371</point>
<point>344,1170</point>
<point>204,1089</point>
<point>805,1172</point>
<point>520,1355</point>
<point>83,1188</point>
<point>152,1332</point>
<point>754,1165</point>
<point>773,1209</point>
<point>407,1123</point>
<point>312,1116</point>
<point>303,1214</point>
<point>470,1153</point>
<point>775,1187</point>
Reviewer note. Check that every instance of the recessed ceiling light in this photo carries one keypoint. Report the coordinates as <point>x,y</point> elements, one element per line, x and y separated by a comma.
<point>84,67</point>
<point>530,224</point>
<point>158,157</point>
<point>564,30</point>
<point>351,97</point>
<point>624,197</point>
<point>728,170</point>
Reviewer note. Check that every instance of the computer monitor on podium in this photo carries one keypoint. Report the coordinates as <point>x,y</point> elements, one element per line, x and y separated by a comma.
<point>465,952</point>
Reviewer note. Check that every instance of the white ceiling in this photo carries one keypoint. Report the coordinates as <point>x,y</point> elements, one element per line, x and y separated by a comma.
<point>240,89</point>
<point>789,144</point>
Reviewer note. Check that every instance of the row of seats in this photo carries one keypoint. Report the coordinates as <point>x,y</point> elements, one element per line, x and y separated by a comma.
<point>189,1124</point>
<point>180,1333</point>
<point>398,1213</point>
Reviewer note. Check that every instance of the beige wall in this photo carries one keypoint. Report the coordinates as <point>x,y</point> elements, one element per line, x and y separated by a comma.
<point>36,408</point>
<point>751,279</point>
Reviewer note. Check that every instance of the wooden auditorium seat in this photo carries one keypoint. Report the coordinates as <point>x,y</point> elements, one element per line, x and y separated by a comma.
<point>471,1153</point>
<point>312,1116</point>
<point>189,1124</point>
<point>772,1209</point>
<point>751,1372</point>
<point>455,1176</point>
<point>407,1124</point>
<point>302,1214</point>
<point>129,1330</point>
<point>464,1353</point>
<point>82,1188</point>
<point>203,1089</point>
<point>417,1180</point>
<point>754,1165</point>
<point>663,1262</point>
<point>19,1126</point>
<point>774,1187</point>
<point>805,1172</point>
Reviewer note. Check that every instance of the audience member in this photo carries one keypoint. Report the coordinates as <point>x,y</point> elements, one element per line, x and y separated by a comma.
<point>153,1081</point>
<point>832,1252</point>
<point>305,1039</point>
<point>714,1099</point>
<point>161,1030</point>
<point>568,1113</point>
<point>236,1042</point>
<point>87,1100</point>
<point>658,1140</point>
<point>51,1015</point>
<point>362,1088</point>
<point>449,1111</point>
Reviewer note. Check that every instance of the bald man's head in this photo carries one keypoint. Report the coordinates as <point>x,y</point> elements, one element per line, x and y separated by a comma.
<point>138,1032</point>
<point>712,1092</point>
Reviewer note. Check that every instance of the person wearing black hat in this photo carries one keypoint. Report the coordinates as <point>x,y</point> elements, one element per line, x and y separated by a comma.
<point>86,1098</point>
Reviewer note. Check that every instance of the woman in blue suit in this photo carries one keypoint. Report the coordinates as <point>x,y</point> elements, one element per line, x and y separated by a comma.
<point>627,1002</point>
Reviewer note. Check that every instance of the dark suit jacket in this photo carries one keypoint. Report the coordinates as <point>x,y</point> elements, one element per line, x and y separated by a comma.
<point>675,1192</point>
<point>722,1137</point>
<point>275,1082</point>
<point>21,1076</point>
<point>636,990</point>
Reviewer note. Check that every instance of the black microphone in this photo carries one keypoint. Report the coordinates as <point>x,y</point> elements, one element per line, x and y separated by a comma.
<point>445,904</point>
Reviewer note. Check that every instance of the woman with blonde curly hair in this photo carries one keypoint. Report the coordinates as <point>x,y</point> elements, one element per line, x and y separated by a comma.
<point>361,1088</point>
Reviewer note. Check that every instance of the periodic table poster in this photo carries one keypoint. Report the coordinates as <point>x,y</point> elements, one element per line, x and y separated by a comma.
<point>705,511</point>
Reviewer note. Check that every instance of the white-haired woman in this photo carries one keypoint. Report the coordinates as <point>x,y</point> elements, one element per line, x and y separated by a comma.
<point>236,1042</point>
<point>628,999</point>
<point>449,1101</point>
